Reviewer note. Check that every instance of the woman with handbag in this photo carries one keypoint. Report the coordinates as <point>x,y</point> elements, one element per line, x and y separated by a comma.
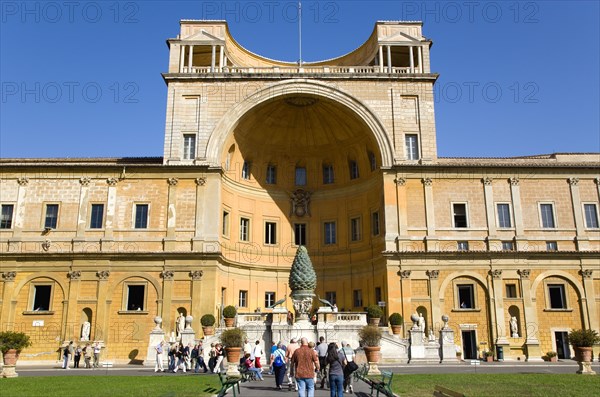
<point>351,366</point>
<point>336,371</point>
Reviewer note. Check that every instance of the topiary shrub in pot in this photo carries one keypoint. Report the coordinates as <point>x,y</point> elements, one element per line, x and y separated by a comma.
<point>396,323</point>
<point>11,345</point>
<point>370,339</point>
<point>582,341</point>
<point>233,340</point>
<point>374,313</point>
<point>208,324</point>
<point>229,313</point>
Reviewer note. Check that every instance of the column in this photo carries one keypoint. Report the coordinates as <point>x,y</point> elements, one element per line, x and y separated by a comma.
<point>83,206</point>
<point>380,59</point>
<point>391,213</point>
<point>499,331</point>
<point>19,211</point>
<point>580,238</point>
<point>420,56</point>
<point>515,193</point>
<point>389,58</point>
<point>111,203</point>
<point>181,58</point>
<point>434,295</point>
<point>221,56</point>
<point>8,278</point>
<point>72,320</point>
<point>198,235</point>
<point>402,209</point>
<point>590,318</point>
<point>429,212</point>
<point>171,214</point>
<point>534,353</point>
<point>190,59</point>
<point>196,310</point>
<point>213,58</point>
<point>406,293</point>
<point>100,332</point>
<point>411,59</point>
<point>167,276</point>
<point>488,193</point>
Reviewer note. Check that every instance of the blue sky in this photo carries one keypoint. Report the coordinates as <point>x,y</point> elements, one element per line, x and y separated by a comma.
<point>82,79</point>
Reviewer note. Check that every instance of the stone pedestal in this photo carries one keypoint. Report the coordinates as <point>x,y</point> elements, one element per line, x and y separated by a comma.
<point>534,353</point>
<point>585,368</point>
<point>448,349</point>
<point>188,336</point>
<point>155,337</point>
<point>9,371</point>
<point>417,348</point>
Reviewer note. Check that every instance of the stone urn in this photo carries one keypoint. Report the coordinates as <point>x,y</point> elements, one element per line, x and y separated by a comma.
<point>208,330</point>
<point>229,322</point>
<point>373,353</point>
<point>11,357</point>
<point>396,329</point>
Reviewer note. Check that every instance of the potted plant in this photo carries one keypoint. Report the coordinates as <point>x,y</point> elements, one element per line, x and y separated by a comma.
<point>374,313</point>
<point>229,313</point>
<point>488,356</point>
<point>582,341</point>
<point>552,356</point>
<point>11,344</point>
<point>233,340</point>
<point>208,324</point>
<point>396,323</point>
<point>370,337</point>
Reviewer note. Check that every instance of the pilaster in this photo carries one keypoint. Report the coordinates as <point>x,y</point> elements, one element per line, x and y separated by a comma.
<point>74,277</point>
<point>434,294</point>
<point>196,310</point>
<point>8,278</point>
<point>391,218</point>
<point>430,215</point>
<point>83,206</point>
<point>590,318</point>
<point>581,238</point>
<point>171,214</point>
<point>515,193</point>
<point>406,292</point>
<point>101,327</point>
<point>111,203</point>
<point>167,276</point>
<point>488,193</point>
<point>532,343</point>
<point>499,331</point>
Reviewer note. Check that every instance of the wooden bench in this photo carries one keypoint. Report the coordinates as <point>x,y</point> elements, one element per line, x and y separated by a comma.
<point>383,385</point>
<point>440,391</point>
<point>228,382</point>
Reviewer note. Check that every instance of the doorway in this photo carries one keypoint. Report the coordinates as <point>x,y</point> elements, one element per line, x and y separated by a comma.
<point>562,345</point>
<point>469,342</point>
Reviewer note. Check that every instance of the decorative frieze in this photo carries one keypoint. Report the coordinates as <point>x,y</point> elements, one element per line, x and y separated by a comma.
<point>46,245</point>
<point>103,274</point>
<point>196,275</point>
<point>9,276</point>
<point>300,203</point>
<point>524,273</point>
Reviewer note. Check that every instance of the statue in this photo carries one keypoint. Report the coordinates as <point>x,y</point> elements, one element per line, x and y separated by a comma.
<point>514,328</point>
<point>279,302</point>
<point>421,323</point>
<point>431,335</point>
<point>180,324</point>
<point>85,331</point>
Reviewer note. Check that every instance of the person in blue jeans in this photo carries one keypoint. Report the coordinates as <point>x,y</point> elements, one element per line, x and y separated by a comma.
<point>336,371</point>
<point>305,362</point>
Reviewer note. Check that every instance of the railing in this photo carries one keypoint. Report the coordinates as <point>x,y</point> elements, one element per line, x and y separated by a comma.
<point>299,70</point>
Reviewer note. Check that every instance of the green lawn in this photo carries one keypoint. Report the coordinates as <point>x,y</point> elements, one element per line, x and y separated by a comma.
<point>500,385</point>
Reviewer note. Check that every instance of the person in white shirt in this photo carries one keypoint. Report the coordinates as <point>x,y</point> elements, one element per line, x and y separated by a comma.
<point>258,353</point>
<point>347,353</point>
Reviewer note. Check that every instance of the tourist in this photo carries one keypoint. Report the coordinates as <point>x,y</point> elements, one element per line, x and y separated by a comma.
<point>67,355</point>
<point>278,365</point>
<point>187,356</point>
<point>258,353</point>
<point>212,357</point>
<point>273,348</point>
<point>348,355</point>
<point>172,358</point>
<point>250,366</point>
<point>77,356</point>
<point>336,371</point>
<point>159,357</point>
<point>305,362</point>
<point>97,350</point>
<point>87,355</point>
<point>247,347</point>
<point>322,354</point>
<point>291,348</point>
<point>200,358</point>
<point>218,357</point>
<point>180,356</point>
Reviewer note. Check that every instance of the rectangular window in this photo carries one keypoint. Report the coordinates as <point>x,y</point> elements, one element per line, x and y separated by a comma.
<point>330,296</point>
<point>511,290</point>
<point>136,295</point>
<point>300,177</point>
<point>375,223</point>
<point>330,233</point>
<point>225,230</point>
<point>246,170</point>
<point>244,229</point>
<point>189,146</point>
<point>6,216</point>
<point>557,297</point>
<point>507,246</point>
<point>243,301</point>
<point>299,233</point>
<point>504,215</point>
<point>591,216</point>
<point>462,245</point>
<point>271,174</point>
<point>372,161</point>
<point>355,229</point>
<point>412,146</point>
<point>358,301</point>
<point>547,214</point>
<point>551,246</point>
<point>269,299</point>
<point>327,174</point>
<point>353,166</point>
<point>459,215</point>
<point>270,233</point>
<point>141,216</point>
<point>96,220</point>
<point>466,296</point>
<point>42,295</point>
<point>51,216</point>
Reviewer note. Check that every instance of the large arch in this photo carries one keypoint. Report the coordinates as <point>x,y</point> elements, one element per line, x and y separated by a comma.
<point>558,273</point>
<point>31,277</point>
<point>464,273</point>
<point>226,125</point>
<point>155,283</point>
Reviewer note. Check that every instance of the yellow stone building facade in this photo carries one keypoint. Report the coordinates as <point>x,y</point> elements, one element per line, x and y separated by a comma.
<point>261,156</point>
